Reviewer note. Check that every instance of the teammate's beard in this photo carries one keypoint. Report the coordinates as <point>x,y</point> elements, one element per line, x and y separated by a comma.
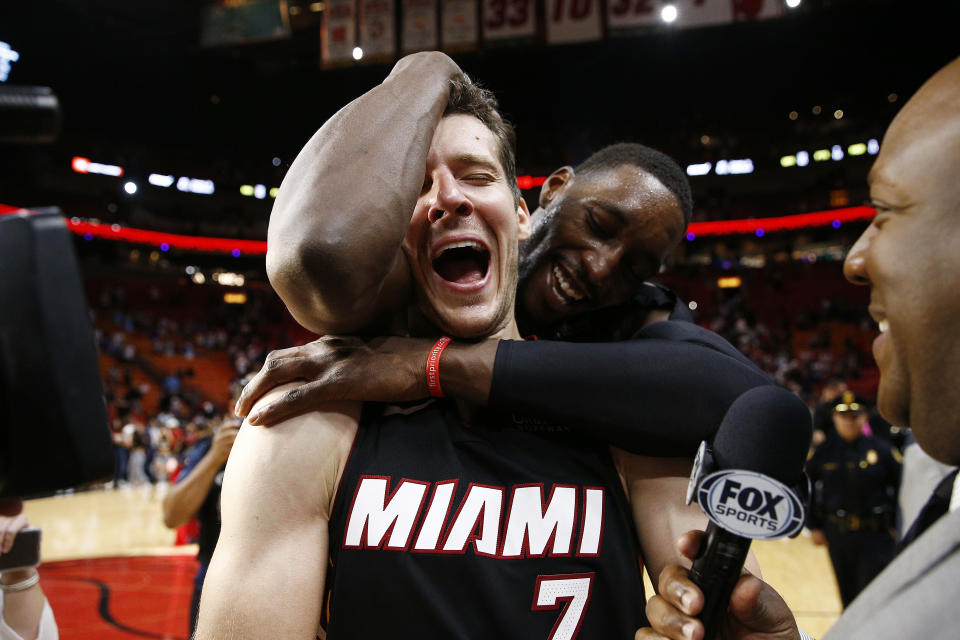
<point>534,252</point>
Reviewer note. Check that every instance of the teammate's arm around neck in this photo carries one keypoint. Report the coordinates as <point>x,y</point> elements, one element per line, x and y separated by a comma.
<point>340,216</point>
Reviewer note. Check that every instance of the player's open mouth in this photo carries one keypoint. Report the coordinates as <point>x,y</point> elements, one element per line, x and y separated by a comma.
<point>566,285</point>
<point>464,263</point>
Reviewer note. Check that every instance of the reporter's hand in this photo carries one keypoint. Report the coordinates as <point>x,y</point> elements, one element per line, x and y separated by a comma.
<point>757,612</point>
<point>223,442</point>
<point>818,537</point>
<point>390,369</point>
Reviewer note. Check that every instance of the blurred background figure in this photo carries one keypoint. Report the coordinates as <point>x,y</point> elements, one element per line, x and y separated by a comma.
<point>25,613</point>
<point>139,447</point>
<point>855,479</point>
<point>823,413</point>
<point>121,452</point>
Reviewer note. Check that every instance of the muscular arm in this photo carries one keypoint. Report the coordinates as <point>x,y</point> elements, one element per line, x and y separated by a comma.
<point>658,394</point>
<point>335,231</point>
<point>267,574</point>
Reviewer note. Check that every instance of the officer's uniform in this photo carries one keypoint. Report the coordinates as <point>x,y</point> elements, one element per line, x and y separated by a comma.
<point>854,502</point>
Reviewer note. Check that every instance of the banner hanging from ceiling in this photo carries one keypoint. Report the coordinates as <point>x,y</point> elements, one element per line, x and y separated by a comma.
<point>506,19</point>
<point>459,22</point>
<point>573,21</point>
<point>377,38</point>
<point>338,32</point>
<point>631,14</point>
<point>419,25</point>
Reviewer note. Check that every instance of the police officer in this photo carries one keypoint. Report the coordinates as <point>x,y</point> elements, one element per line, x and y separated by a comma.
<point>855,479</point>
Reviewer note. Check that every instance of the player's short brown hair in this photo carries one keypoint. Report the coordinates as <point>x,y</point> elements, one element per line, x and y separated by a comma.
<point>469,98</point>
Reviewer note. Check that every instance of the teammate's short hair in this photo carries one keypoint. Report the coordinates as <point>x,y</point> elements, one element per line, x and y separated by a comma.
<point>469,98</point>
<point>658,164</point>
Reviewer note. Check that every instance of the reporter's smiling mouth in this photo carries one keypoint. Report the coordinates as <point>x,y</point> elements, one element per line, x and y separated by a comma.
<point>880,317</point>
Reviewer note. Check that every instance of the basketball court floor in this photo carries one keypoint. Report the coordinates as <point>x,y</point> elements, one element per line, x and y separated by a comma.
<point>111,569</point>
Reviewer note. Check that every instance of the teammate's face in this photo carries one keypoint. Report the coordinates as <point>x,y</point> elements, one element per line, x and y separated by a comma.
<point>595,239</point>
<point>463,236</point>
<point>910,258</point>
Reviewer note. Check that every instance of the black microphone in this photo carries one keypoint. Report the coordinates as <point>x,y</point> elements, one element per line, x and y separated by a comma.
<point>747,484</point>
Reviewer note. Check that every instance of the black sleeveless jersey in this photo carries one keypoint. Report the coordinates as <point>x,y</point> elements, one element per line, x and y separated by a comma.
<point>502,530</point>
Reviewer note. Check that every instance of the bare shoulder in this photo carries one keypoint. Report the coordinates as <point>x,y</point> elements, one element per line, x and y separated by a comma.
<point>304,455</point>
<point>267,573</point>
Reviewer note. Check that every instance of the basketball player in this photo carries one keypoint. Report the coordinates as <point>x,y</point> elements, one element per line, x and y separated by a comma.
<point>433,520</point>
<point>601,229</point>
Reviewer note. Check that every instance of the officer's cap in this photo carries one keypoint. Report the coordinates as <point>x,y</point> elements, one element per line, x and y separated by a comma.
<point>849,402</point>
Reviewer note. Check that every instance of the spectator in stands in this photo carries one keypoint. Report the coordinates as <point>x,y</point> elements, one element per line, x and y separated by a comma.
<point>121,452</point>
<point>823,414</point>
<point>139,442</point>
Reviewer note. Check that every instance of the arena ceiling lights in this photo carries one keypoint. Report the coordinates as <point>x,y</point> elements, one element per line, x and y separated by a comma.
<point>84,165</point>
<point>160,180</point>
<point>7,56</point>
<point>185,184</point>
<point>741,166</point>
<point>835,153</point>
<point>195,185</point>
<point>258,191</point>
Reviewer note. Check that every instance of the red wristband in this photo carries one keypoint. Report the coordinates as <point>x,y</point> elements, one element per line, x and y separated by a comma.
<point>433,367</point>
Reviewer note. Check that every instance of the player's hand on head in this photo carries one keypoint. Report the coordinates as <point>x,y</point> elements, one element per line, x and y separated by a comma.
<point>333,368</point>
<point>757,612</point>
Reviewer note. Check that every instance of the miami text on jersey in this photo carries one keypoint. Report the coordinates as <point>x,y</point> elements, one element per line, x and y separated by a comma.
<point>529,527</point>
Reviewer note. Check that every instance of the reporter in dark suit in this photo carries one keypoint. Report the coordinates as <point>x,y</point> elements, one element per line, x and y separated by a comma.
<point>909,256</point>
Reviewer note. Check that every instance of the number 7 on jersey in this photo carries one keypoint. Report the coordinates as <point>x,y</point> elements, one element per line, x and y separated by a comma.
<point>572,590</point>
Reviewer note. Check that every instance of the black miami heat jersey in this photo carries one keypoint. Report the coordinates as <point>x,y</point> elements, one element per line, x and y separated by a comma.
<point>444,531</point>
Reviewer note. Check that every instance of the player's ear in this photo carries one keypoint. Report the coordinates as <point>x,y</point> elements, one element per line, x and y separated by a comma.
<point>523,221</point>
<point>555,184</point>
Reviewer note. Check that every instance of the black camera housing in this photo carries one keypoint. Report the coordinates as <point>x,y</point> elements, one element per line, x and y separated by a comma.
<point>53,420</point>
